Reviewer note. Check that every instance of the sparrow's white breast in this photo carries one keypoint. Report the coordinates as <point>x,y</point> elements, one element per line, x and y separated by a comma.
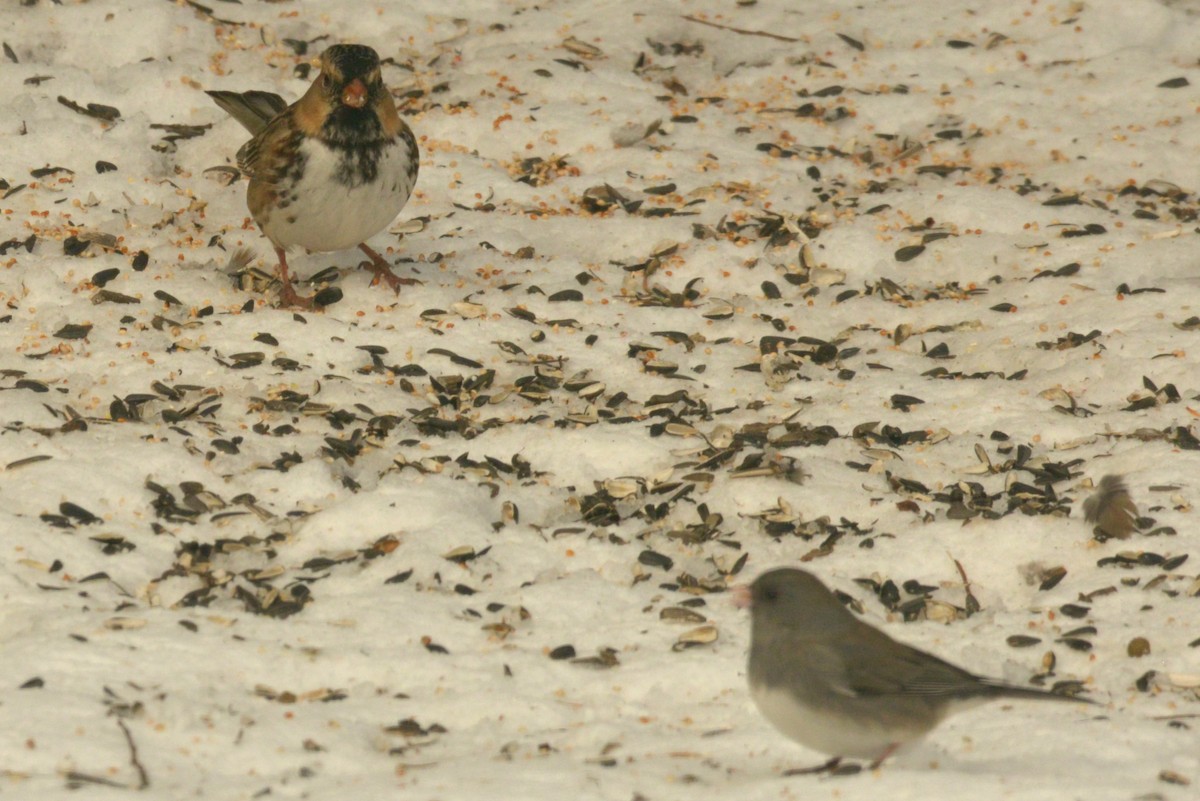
<point>325,214</point>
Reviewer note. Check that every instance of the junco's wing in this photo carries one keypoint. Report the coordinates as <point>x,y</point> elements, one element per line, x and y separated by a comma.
<point>877,665</point>
<point>876,669</point>
<point>863,664</point>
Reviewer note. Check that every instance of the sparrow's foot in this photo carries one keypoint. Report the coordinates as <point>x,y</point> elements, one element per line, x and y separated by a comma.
<point>830,767</point>
<point>383,271</point>
<point>288,297</point>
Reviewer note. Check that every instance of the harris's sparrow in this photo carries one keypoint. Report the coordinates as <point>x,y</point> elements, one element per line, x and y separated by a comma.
<point>332,169</point>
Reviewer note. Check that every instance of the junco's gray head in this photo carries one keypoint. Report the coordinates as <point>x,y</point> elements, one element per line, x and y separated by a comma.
<point>835,684</point>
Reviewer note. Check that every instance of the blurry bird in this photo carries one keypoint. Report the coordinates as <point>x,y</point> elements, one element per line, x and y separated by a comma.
<point>835,684</point>
<point>1112,509</point>
<point>331,170</point>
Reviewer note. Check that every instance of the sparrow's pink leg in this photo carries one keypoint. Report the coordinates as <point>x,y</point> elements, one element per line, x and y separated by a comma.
<point>887,752</point>
<point>288,299</point>
<point>383,270</point>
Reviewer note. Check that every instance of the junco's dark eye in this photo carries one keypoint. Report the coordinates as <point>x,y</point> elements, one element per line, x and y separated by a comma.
<point>770,594</point>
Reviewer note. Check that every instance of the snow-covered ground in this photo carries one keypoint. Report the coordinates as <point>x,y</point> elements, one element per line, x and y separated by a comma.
<point>708,287</point>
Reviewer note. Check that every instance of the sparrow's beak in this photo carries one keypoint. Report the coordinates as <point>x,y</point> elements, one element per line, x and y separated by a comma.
<point>741,596</point>
<point>355,94</point>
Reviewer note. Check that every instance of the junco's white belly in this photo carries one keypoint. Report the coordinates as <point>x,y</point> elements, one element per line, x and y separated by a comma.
<point>328,214</point>
<point>827,731</point>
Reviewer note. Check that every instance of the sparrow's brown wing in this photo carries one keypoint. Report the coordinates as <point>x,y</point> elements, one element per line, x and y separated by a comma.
<point>271,153</point>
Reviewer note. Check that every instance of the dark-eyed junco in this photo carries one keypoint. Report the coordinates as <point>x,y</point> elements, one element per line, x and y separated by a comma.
<point>838,685</point>
<point>331,170</point>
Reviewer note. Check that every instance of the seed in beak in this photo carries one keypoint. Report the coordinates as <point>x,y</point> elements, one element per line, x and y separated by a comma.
<point>355,94</point>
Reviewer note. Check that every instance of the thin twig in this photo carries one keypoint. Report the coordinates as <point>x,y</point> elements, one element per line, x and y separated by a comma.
<point>972,602</point>
<point>767,34</point>
<point>143,779</point>
<point>75,778</point>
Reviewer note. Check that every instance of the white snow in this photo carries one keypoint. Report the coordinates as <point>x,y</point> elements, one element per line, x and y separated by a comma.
<point>1049,100</point>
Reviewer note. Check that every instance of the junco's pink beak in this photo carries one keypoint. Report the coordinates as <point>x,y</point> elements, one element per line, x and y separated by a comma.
<point>355,94</point>
<point>741,596</point>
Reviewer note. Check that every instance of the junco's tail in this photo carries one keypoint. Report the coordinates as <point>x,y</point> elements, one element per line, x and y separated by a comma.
<point>1005,690</point>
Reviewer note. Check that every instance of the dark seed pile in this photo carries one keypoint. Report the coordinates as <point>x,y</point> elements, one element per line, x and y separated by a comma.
<point>884,293</point>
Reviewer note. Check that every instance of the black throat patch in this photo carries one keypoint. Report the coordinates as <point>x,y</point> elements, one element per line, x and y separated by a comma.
<point>356,137</point>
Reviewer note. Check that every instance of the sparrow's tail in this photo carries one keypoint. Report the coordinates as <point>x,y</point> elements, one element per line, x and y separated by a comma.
<point>253,109</point>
